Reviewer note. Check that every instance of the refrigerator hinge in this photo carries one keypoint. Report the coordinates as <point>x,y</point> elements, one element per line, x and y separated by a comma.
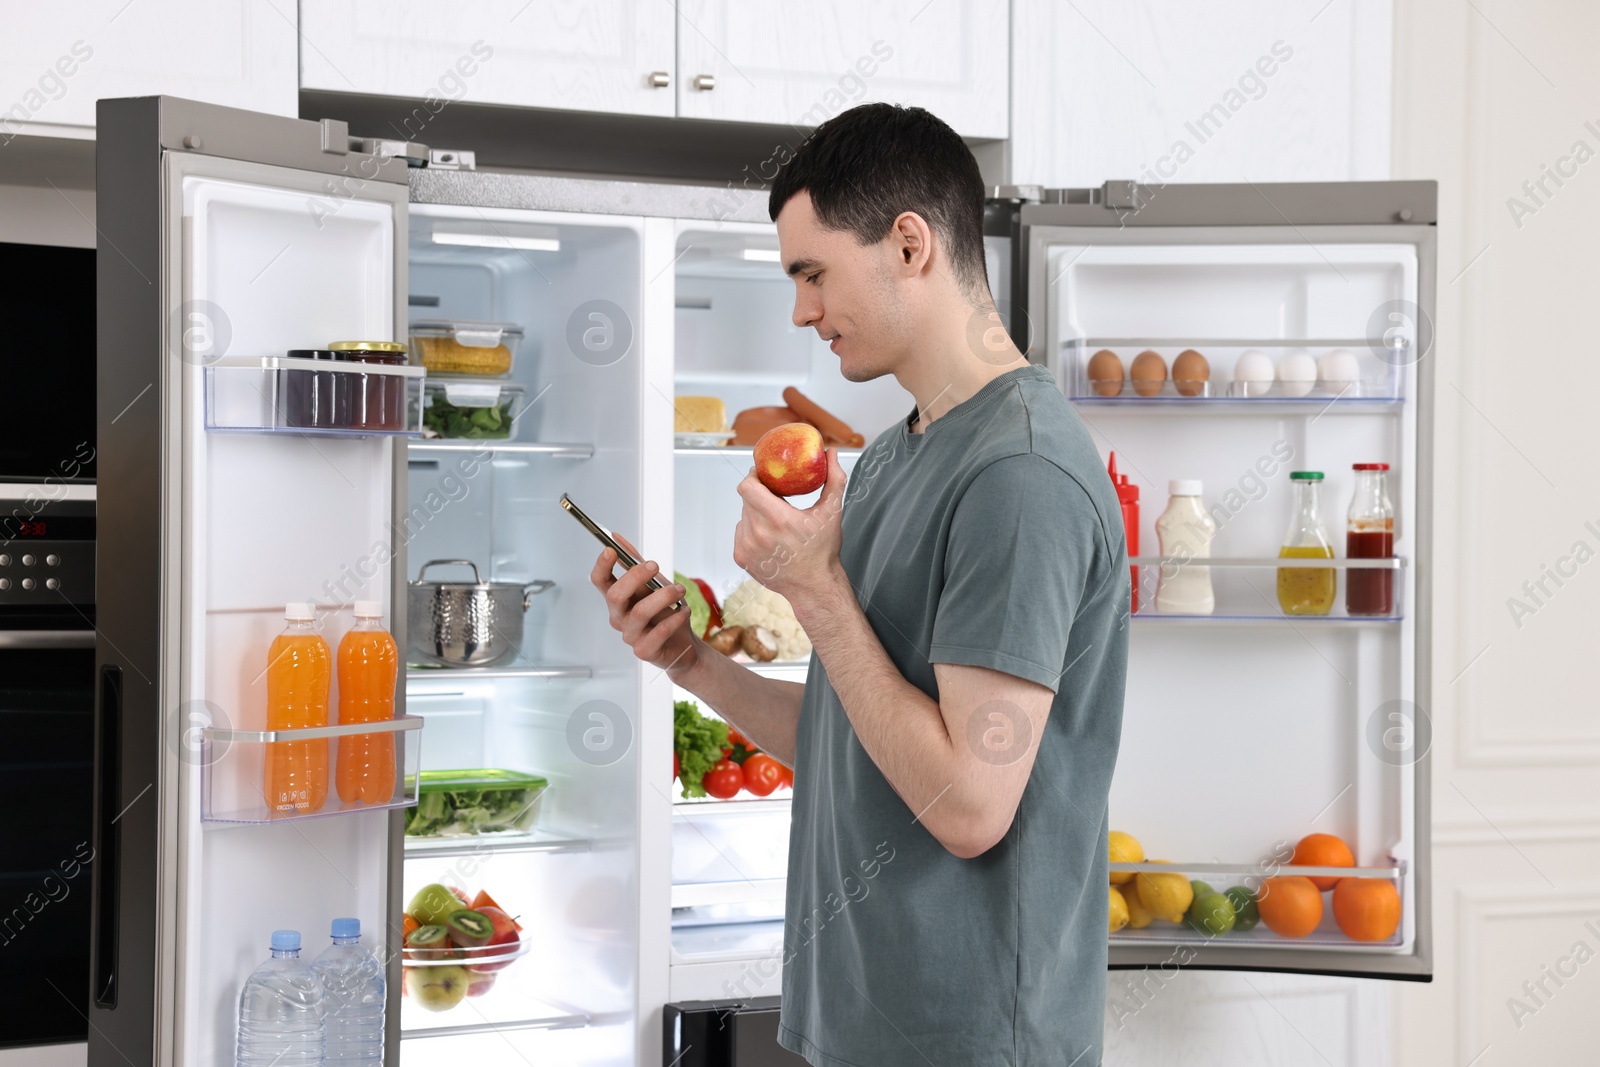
<point>335,136</point>
<point>414,154</point>
<point>1121,196</point>
<point>451,159</point>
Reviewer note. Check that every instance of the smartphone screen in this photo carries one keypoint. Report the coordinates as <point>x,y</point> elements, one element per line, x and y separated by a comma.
<point>603,535</point>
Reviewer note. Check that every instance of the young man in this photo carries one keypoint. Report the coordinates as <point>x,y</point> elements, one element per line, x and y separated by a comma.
<point>966,594</point>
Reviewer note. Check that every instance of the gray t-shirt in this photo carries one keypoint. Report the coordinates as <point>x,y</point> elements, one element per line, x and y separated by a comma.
<point>994,540</point>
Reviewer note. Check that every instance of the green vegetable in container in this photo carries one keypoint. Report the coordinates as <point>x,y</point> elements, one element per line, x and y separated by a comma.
<point>450,420</point>
<point>474,802</point>
<point>699,742</point>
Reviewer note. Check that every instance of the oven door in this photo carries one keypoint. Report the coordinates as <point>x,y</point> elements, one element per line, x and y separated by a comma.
<point>46,804</point>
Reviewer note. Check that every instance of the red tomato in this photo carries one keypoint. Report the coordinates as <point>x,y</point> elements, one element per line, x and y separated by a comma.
<point>735,738</point>
<point>677,767</point>
<point>788,777</point>
<point>762,774</point>
<point>724,780</point>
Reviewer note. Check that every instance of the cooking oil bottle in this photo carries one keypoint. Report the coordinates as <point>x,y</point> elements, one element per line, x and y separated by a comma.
<point>1306,590</point>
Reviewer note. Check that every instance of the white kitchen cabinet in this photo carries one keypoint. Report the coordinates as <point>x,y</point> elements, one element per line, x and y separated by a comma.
<point>773,62</point>
<point>57,60</point>
<point>585,55</point>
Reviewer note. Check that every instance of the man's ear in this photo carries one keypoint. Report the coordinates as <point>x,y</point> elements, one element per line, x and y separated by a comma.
<point>914,241</point>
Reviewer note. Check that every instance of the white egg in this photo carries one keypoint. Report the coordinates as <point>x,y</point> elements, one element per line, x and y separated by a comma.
<point>1339,371</point>
<point>1252,373</point>
<point>1297,373</point>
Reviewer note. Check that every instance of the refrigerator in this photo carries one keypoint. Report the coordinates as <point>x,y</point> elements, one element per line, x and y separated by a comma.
<point>229,239</point>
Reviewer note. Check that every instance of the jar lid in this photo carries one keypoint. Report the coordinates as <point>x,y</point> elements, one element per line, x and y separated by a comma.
<point>1186,487</point>
<point>315,353</point>
<point>1369,466</point>
<point>1305,476</point>
<point>367,346</point>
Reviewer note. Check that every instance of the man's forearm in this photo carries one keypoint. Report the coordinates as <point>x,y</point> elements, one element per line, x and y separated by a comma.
<point>766,710</point>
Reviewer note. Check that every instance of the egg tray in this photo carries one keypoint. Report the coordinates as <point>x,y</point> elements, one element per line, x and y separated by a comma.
<point>1127,389</point>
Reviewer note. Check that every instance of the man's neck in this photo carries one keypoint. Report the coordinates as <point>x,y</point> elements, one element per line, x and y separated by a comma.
<point>959,360</point>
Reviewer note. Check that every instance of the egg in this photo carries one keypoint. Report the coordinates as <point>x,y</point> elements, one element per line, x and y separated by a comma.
<point>1105,373</point>
<point>1252,373</point>
<point>1339,371</point>
<point>1149,373</point>
<point>1190,372</point>
<point>1297,373</point>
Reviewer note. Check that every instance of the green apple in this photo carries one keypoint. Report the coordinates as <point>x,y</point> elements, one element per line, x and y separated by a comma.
<point>433,904</point>
<point>439,988</point>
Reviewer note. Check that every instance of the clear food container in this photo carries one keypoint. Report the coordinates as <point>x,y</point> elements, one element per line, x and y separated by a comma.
<point>463,407</point>
<point>479,349</point>
<point>315,391</point>
<point>451,803</point>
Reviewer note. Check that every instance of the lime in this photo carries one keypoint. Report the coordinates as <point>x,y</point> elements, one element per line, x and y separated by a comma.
<point>1210,914</point>
<point>1245,912</point>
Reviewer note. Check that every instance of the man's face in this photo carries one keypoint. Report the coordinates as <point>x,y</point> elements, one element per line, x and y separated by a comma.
<point>848,292</point>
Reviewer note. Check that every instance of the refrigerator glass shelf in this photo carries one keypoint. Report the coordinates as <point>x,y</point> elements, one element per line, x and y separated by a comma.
<point>426,446</point>
<point>743,804</point>
<point>745,452</point>
<point>233,769</point>
<point>1274,619</point>
<point>415,673</point>
<point>551,1018</point>
<point>319,397</point>
<point>1391,563</point>
<point>496,844</point>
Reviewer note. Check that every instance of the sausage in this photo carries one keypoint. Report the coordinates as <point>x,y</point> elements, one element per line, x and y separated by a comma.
<point>832,427</point>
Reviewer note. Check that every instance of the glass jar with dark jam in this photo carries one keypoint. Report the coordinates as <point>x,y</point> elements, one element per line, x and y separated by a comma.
<point>1370,535</point>
<point>377,401</point>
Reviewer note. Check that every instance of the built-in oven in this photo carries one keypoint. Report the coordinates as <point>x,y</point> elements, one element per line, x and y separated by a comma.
<point>46,760</point>
<point>47,645</point>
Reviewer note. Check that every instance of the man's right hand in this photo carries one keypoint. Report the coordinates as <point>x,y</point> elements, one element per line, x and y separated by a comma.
<point>658,635</point>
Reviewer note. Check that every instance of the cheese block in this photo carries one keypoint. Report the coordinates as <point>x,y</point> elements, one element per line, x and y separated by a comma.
<point>699,414</point>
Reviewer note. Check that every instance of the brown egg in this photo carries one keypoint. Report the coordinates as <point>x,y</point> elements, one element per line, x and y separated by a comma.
<point>1190,372</point>
<point>1149,373</point>
<point>1105,373</point>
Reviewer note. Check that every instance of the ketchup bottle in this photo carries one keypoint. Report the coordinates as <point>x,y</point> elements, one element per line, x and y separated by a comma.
<point>1370,535</point>
<point>1128,497</point>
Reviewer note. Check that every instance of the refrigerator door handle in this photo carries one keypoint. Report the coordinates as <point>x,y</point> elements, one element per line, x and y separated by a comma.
<point>108,785</point>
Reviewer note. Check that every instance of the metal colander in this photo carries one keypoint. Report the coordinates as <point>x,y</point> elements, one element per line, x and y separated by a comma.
<point>467,624</point>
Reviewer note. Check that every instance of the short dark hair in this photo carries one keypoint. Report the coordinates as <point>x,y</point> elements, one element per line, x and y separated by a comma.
<point>865,166</point>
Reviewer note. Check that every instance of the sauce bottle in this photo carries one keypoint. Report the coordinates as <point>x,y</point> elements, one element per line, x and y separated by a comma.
<point>1185,531</point>
<point>1370,535</point>
<point>1306,590</point>
<point>369,663</point>
<point>1128,496</point>
<point>299,670</point>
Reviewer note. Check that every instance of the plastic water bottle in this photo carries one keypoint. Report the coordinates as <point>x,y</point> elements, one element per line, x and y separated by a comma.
<point>281,1010</point>
<point>353,979</point>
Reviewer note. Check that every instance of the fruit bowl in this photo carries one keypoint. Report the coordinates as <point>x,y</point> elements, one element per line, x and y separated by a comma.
<point>478,958</point>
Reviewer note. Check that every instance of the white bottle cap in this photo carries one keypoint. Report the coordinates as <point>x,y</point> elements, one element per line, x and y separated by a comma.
<point>369,609</point>
<point>298,611</point>
<point>1186,487</point>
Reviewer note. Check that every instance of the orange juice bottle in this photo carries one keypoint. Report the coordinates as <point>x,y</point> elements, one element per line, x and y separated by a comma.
<point>299,668</point>
<point>369,663</point>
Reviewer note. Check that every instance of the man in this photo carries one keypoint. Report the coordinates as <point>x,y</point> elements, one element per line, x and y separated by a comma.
<point>966,595</point>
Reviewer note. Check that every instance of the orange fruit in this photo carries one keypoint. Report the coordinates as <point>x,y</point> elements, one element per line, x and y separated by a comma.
<point>1323,850</point>
<point>1290,905</point>
<point>1366,909</point>
<point>408,926</point>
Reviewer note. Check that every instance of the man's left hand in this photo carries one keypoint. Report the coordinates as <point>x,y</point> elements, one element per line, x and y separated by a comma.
<point>791,551</point>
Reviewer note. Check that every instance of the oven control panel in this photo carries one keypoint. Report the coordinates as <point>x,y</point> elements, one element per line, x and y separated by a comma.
<point>47,554</point>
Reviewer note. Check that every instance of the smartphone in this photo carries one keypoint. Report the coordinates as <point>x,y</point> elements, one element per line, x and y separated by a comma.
<point>603,535</point>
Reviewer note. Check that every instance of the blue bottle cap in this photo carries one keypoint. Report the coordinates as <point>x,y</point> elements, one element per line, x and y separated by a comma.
<point>286,940</point>
<point>347,928</point>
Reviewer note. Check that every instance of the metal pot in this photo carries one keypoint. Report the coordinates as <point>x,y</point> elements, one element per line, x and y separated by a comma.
<point>467,624</point>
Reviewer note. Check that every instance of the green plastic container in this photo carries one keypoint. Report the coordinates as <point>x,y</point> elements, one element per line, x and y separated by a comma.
<point>454,803</point>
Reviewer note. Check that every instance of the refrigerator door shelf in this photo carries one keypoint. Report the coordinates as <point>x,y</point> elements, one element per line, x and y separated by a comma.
<point>233,764</point>
<point>280,394</point>
<point>1341,371</point>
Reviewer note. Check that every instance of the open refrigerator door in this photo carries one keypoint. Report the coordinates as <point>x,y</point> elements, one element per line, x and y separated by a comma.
<point>229,239</point>
<point>1219,340</point>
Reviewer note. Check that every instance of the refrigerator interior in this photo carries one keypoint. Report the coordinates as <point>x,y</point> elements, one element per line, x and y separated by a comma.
<point>269,518</point>
<point>1246,729</point>
<point>572,882</point>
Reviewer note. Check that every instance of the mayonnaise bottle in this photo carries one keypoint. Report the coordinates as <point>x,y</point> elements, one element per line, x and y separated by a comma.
<point>1185,532</point>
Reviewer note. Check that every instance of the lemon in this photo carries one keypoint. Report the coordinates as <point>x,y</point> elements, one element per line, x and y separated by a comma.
<point>1119,910</point>
<point>1123,848</point>
<point>1138,917</point>
<point>1167,896</point>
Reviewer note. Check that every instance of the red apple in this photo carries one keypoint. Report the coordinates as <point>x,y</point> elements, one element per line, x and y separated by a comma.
<point>479,982</point>
<point>791,459</point>
<point>461,894</point>
<point>505,934</point>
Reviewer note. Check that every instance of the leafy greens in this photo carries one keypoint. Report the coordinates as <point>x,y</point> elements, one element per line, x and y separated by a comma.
<point>699,742</point>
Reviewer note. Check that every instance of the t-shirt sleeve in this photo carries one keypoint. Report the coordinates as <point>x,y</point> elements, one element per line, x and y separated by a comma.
<point>1026,547</point>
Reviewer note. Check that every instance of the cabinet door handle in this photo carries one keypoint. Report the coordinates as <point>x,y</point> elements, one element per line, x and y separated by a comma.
<point>107,836</point>
<point>659,79</point>
<point>705,82</point>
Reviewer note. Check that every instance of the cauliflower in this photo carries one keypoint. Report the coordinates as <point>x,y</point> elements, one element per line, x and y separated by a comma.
<point>753,604</point>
